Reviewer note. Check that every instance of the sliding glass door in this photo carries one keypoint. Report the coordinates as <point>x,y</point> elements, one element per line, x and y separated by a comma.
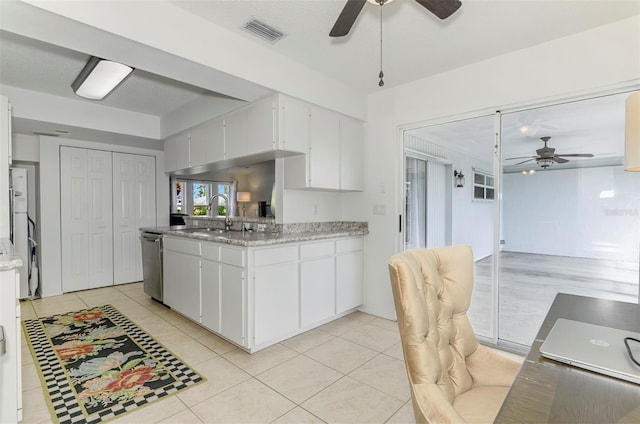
<point>570,218</point>
<point>443,206</point>
<point>550,191</point>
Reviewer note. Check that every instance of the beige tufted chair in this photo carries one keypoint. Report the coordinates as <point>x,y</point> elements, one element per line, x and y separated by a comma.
<point>453,379</point>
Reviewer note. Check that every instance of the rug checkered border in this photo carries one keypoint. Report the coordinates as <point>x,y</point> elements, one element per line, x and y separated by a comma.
<point>59,391</point>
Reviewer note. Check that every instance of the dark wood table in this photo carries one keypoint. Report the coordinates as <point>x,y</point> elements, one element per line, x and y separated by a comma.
<point>546,391</point>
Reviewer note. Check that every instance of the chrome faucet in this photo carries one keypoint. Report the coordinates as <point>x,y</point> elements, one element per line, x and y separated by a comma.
<point>227,220</point>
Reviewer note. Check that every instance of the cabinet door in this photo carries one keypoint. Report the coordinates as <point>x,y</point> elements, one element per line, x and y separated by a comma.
<point>176,152</point>
<point>293,125</point>
<point>261,127</point>
<point>215,143</point>
<point>349,281</point>
<point>86,224</point>
<point>198,139</point>
<point>324,152</point>
<point>351,155</point>
<point>276,302</point>
<point>317,290</point>
<point>210,303</point>
<point>232,307</point>
<point>235,134</point>
<point>181,273</point>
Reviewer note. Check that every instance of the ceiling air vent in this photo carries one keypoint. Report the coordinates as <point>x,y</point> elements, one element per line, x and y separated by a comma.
<point>263,31</point>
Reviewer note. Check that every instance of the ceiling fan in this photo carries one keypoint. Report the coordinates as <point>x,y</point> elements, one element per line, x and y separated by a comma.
<point>441,8</point>
<point>547,156</point>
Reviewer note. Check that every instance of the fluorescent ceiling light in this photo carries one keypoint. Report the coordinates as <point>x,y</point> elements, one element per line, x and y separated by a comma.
<point>99,77</point>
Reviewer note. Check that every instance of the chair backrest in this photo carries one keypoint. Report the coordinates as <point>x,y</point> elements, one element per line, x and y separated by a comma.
<point>432,292</point>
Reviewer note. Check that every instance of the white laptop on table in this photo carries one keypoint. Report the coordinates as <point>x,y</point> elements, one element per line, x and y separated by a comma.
<point>593,347</point>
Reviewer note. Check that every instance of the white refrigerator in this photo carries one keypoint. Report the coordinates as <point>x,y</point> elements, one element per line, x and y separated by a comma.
<point>20,228</point>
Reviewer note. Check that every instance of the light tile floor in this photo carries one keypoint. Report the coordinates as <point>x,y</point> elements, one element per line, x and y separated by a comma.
<point>347,371</point>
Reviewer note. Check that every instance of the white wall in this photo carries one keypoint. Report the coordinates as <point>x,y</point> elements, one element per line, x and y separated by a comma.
<point>26,147</point>
<point>588,213</point>
<point>592,61</point>
<point>50,202</point>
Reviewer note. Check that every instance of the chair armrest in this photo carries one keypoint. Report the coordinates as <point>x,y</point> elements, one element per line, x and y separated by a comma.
<point>433,404</point>
<point>489,368</point>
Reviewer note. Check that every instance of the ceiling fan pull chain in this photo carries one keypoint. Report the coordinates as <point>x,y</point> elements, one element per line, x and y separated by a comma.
<point>381,75</point>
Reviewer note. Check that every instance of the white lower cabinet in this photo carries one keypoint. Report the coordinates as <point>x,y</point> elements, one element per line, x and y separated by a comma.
<point>258,296</point>
<point>349,274</point>
<point>276,305</point>
<point>232,309</point>
<point>210,296</point>
<point>317,282</point>
<point>181,275</point>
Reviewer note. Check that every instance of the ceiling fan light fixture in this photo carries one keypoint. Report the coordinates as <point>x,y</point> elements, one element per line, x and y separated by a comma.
<point>99,77</point>
<point>632,133</point>
<point>544,162</point>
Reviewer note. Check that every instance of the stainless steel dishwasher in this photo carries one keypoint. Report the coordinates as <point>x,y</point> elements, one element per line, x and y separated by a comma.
<point>152,264</point>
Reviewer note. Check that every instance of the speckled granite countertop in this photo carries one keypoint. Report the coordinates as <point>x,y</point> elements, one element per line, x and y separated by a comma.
<point>272,234</point>
<point>8,258</point>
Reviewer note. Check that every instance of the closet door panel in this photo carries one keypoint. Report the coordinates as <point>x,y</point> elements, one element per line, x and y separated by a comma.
<point>134,207</point>
<point>100,218</point>
<point>85,194</point>
<point>124,231</point>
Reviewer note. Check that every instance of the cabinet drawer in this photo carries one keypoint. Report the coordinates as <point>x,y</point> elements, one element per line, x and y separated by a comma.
<point>232,256</point>
<point>316,250</point>
<point>189,247</point>
<point>275,255</point>
<point>210,251</point>
<point>349,245</point>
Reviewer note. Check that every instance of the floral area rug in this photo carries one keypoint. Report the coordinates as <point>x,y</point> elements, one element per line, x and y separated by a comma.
<point>97,365</point>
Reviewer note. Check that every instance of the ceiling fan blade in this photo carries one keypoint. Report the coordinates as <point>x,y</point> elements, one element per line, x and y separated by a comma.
<point>559,159</point>
<point>525,161</point>
<point>347,18</point>
<point>577,155</point>
<point>441,8</point>
<point>522,157</point>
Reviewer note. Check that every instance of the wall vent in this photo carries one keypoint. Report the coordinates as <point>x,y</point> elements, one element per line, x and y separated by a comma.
<point>264,31</point>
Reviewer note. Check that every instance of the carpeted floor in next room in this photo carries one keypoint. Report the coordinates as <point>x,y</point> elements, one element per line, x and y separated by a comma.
<point>349,370</point>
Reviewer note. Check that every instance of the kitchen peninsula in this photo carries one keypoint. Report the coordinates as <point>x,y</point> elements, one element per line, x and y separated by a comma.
<point>256,288</point>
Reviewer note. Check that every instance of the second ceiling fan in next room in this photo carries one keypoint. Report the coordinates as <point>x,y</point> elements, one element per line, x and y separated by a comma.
<point>547,156</point>
<point>441,8</point>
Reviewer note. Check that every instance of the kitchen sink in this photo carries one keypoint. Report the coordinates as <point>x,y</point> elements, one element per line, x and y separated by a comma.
<point>205,230</point>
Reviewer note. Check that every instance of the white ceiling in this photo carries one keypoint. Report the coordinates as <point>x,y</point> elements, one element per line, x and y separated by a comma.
<point>416,44</point>
<point>593,126</point>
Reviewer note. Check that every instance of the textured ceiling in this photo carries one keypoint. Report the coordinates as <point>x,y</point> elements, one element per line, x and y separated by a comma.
<point>590,126</point>
<point>34,65</point>
<point>416,44</point>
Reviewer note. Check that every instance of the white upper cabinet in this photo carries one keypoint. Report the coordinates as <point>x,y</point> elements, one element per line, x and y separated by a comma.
<point>334,158</point>
<point>236,133</point>
<point>206,142</point>
<point>351,155</point>
<point>293,124</point>
<point>324,149</point>
<point>176,152</point>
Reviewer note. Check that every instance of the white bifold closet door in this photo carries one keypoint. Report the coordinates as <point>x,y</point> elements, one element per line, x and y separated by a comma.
<point>134,206</point>
<point>85,196</point>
